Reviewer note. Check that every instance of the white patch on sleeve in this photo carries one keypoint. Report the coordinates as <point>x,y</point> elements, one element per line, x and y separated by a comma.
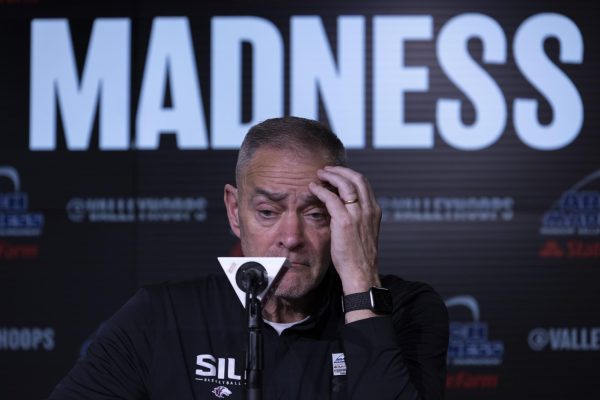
<point>339,364</point>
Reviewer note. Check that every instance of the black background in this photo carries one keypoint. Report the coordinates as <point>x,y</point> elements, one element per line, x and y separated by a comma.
<point>85,271</point>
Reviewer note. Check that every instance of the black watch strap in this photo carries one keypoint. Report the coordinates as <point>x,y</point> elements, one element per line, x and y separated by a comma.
<point>378,300</point>
<point>356,301</point>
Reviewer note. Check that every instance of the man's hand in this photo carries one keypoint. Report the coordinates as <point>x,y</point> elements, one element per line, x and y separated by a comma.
<point>354,228</point>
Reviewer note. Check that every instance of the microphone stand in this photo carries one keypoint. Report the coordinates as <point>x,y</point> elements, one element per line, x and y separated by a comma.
<point>252,278</point>
<point>254,354</point>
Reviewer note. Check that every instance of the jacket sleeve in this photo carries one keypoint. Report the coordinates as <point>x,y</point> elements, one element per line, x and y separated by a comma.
<point>402,356</point>
<point>117,361</point>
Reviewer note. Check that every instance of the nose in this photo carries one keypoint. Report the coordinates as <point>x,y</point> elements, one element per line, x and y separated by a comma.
<point>291,231</point>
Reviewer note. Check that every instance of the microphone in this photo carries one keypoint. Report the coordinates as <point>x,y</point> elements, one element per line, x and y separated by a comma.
<point>252,277</point>
<point>275,267</point>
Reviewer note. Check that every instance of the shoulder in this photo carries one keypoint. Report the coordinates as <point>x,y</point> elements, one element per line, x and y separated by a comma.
<point>208,284</point>
<point>416,301</point>
<point>210,295</point>
<point>408,291</point>
<point>152,301</point>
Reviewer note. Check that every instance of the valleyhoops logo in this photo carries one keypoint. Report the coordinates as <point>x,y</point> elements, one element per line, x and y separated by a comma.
<point>447,209</point>
<point>137,209</point>
<point>564,339</point>
<point>574,222</point>
<point>26,338</point>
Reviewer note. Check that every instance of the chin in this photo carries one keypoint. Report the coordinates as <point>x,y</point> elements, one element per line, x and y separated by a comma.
<point>292,290</point>
<point>296,283</point>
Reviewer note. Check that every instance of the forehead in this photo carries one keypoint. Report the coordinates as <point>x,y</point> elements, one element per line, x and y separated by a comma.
<point>273,167</point>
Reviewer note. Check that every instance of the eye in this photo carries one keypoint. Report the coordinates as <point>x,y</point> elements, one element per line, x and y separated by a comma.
<point>317,215</point>
<point>266,213</point>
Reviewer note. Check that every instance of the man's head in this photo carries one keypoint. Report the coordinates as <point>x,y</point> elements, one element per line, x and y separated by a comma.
<point>293,134</point>
<point>272,210</point>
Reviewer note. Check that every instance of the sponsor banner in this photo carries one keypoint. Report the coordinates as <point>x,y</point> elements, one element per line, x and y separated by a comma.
<point>468,380</point>
<point>16,219</point>
<point>470,346</point>
<point>15,251</point>
<point>27,338</point>
<point>576,212</point>
<point>447,209</point>
<point>564,339</point>
<point>570,249</point>
<point>573,222</point>
<point>315,74</point>
<point>137,209</point>
<point>469,343</point>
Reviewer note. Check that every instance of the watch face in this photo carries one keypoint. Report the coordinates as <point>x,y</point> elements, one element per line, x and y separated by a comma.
<point>381,300</point>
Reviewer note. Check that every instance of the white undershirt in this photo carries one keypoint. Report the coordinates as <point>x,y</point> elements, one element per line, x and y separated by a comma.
<point>282,326</point>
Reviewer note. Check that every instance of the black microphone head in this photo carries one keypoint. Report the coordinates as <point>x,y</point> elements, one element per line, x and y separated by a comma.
<point>252,277</point>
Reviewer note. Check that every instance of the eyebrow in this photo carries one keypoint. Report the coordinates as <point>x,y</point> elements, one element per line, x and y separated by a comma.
<point>273,196</point>
<point>279,196</point>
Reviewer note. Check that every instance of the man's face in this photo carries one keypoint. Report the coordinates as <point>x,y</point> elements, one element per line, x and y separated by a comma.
<point>275,215</point>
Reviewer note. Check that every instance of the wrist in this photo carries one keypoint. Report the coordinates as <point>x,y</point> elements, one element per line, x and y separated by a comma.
<point>352,286</point>
<point>358,279</point>
<point>357,315</point>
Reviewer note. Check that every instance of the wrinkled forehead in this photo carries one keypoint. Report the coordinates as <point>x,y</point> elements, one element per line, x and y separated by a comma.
<point>271,167</point>
<point>281,158</point>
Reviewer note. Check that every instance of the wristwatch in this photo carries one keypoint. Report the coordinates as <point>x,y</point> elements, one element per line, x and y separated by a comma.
<point>377,299</point>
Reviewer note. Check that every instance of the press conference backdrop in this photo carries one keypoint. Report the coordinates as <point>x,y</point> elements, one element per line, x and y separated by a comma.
<point>477,123</point>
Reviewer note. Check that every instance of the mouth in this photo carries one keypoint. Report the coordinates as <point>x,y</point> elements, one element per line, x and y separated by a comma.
<point>296,264</point>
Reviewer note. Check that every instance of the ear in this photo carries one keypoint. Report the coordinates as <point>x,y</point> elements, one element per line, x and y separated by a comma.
<point>233,208</point>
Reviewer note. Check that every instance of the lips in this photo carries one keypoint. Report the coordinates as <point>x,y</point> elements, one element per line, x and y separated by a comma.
<point>297,264</point>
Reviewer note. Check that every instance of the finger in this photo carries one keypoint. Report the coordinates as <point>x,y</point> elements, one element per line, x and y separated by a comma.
<point>360,183</point>
<point>332,202</point>
<point>348,194</point>
<point>369,206</point>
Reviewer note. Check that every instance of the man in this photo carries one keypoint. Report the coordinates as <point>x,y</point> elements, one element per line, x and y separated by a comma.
<point>294,198</point>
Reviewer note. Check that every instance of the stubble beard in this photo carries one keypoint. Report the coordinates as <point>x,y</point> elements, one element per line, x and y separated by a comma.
<point>295,288</point>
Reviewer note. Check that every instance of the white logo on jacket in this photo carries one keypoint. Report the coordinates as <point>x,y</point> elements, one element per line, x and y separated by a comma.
<point>221,392</point>
<point>212,366</point>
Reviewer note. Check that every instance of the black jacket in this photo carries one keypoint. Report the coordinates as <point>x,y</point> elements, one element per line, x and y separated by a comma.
<point>180,341</point>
